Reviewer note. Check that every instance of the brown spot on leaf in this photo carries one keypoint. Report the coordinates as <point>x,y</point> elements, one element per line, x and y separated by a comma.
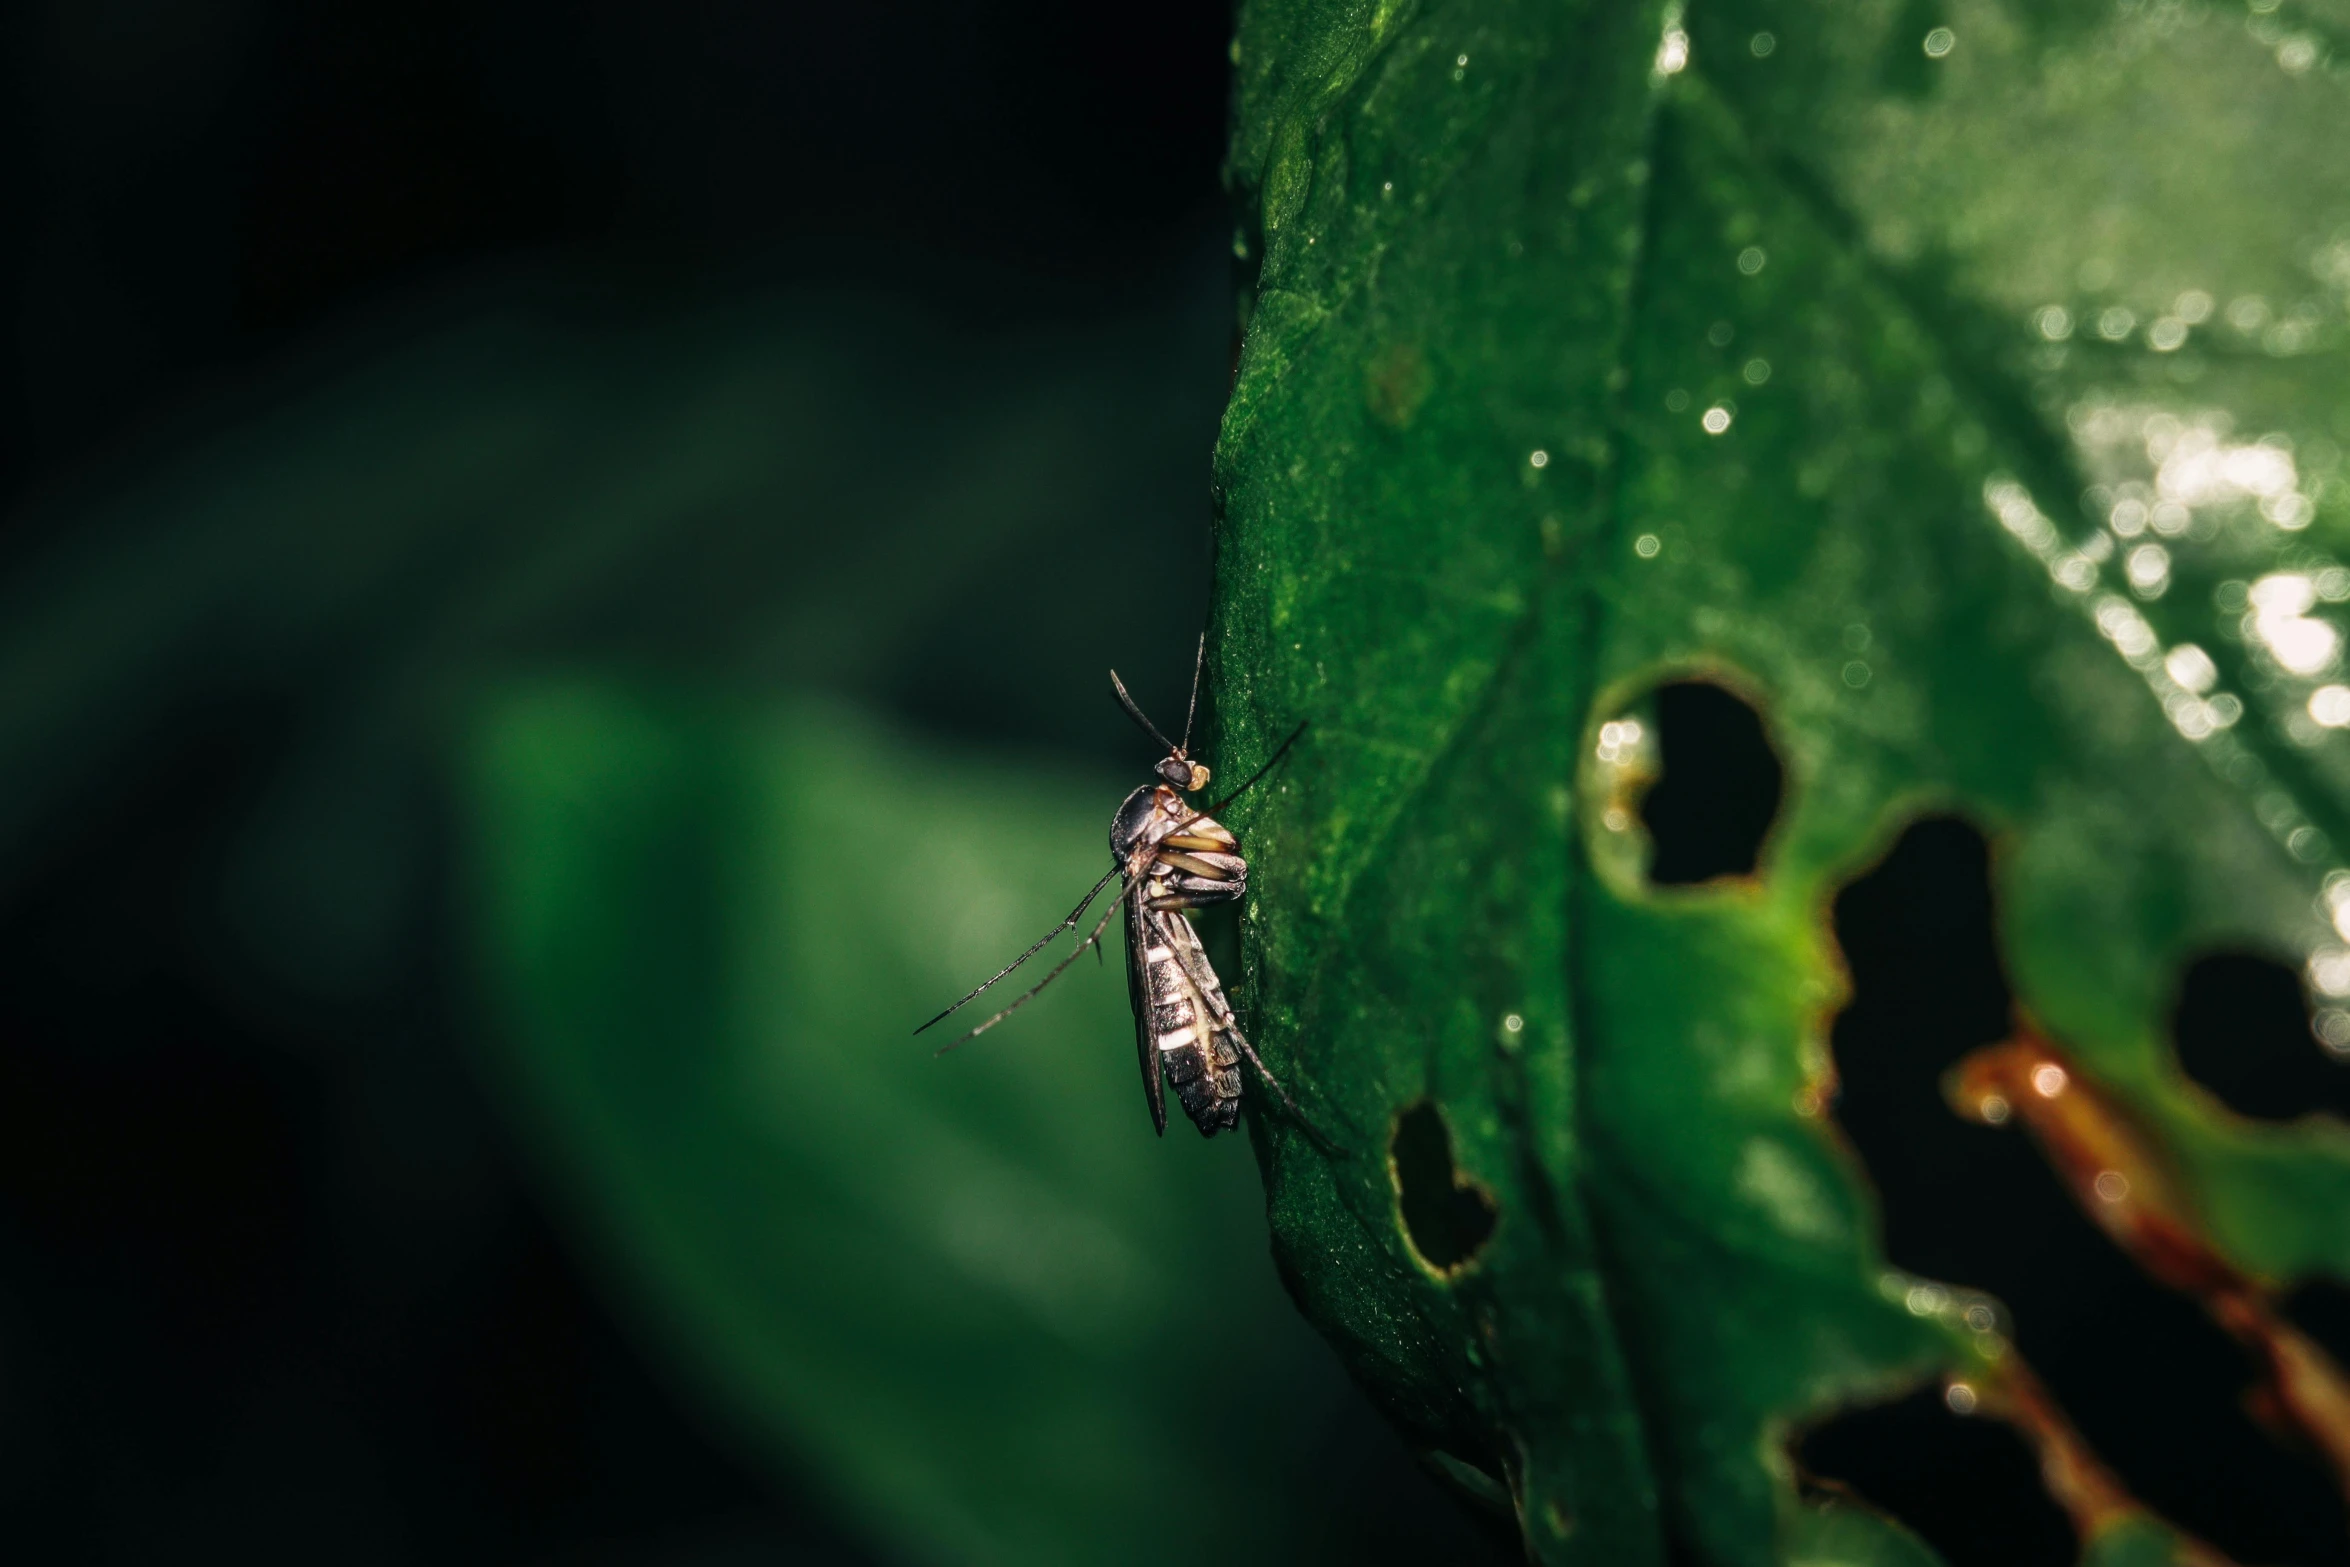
<point>1395,384</point>
<point>2110,1283</point>
<point>2110,1167</point>
<point>1972,1487</point>
<point>2115,1172</point>
<point>2077,1480</point>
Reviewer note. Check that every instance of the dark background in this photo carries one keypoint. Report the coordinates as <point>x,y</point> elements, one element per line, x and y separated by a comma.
<point>273,1283</point>
<point>196,185</point>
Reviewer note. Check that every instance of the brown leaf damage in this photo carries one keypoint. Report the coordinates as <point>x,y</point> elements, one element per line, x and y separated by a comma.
<point>2091,1494</point>
<point>2120,1179</point>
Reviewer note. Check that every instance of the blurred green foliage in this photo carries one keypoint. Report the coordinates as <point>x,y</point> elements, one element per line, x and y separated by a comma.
<point>1821,350</point>
<point>720,696</point>
<point>1000,1314</point>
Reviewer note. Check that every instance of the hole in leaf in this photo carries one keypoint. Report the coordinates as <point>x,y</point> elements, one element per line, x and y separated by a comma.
<point>2321,1309</point>
<point>1968,1486</point>
<point>2242,1030</point>
<point>1718,788</point>
<point>1447,1217</point>
<point>2150,1382</point>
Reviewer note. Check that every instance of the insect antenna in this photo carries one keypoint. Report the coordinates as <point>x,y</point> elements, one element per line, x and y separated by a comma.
<point>1135,713</point>
<point>1253,779</point>
<point>1070,923</point>
<point>1031,992</point>
<point>1199,662</point>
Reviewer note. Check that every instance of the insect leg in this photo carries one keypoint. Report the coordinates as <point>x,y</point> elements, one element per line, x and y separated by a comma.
<point>1207,865</point>
<point>1254,778</point>
<point>1030,993</point>
<point>1070,923</point>
<point>1195,892</point>
<point>1249,1052</point>
<point>1196,880</point>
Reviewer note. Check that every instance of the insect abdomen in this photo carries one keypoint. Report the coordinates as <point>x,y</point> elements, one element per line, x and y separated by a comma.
<point>1198,1056</point>
<point>1207,1085</point>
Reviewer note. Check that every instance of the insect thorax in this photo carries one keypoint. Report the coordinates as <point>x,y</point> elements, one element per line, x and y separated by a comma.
<point>1133,824</point>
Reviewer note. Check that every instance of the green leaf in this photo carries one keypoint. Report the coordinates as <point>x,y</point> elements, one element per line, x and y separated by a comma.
<point>1952,313</point>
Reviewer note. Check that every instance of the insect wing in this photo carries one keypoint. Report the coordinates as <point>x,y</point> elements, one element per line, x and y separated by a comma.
<point>1138,990</point>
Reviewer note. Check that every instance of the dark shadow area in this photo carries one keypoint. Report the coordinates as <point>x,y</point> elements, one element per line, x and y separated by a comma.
<point>277,1288</point>
<point>2152,1384</point>
<point>2321,1309</point>
<point>1447,1219</point>
<point>1969,1487</point>
<point>275,1285</point>
<point>1384,1510</point>
<point>198,185</point>
<point>1719,791</point>
<point>2242,1031</point>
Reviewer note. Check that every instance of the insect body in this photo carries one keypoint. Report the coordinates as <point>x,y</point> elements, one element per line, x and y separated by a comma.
<point>1180,860</point>
<point>1168,857</point>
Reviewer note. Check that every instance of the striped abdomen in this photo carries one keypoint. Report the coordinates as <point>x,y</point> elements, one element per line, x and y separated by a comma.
<point>1189,1022</point>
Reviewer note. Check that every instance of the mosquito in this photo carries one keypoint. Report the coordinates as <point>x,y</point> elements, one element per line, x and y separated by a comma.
<point>1170,858</point>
